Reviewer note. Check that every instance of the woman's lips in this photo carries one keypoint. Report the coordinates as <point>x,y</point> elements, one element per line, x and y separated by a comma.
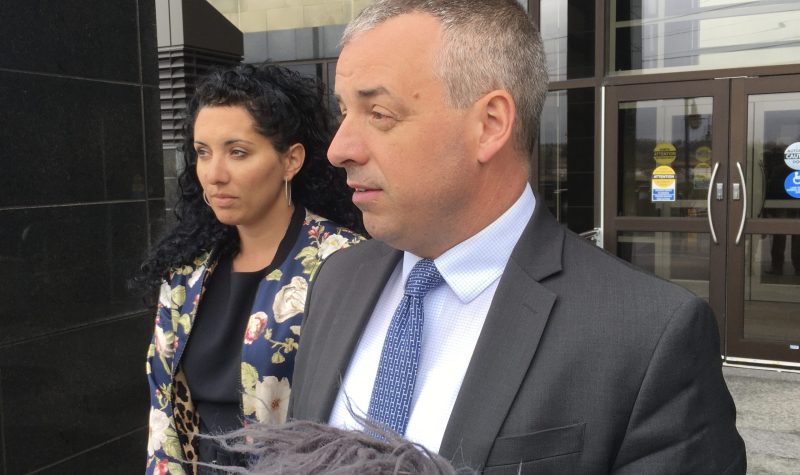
<point>223,201</point>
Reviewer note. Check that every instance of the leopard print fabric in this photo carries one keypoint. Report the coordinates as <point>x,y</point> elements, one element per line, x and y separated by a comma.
<point>187,422</point>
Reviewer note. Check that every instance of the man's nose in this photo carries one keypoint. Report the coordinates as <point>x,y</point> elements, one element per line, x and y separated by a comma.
<point>347,146</point>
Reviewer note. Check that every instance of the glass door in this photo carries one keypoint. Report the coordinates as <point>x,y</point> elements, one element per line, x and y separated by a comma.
<point>666,150</point>
<point>764,249</point>
<point>703,188</point>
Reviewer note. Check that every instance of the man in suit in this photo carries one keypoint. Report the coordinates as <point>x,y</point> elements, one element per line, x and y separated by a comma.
<point>534,351</point>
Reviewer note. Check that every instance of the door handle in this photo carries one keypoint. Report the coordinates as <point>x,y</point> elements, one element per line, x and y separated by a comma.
<point>744,203</point>
<point>708,204</point>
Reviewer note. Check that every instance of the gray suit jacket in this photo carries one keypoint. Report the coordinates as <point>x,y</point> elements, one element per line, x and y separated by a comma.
<point>585,364</point>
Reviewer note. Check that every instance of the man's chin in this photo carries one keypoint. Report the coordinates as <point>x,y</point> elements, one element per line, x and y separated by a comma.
<point>377,227</point>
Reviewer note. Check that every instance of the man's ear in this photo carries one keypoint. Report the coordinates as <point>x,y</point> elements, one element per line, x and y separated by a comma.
<point>497,115</point>
<point>293,160</point>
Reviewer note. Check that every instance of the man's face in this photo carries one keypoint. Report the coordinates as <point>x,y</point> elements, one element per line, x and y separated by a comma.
<point>408,155</point>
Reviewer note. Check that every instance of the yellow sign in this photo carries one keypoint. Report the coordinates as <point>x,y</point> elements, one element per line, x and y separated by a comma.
<point>663,186</point>
<point>664,177</point>
<point>703,154</point>
<point>664,153</point>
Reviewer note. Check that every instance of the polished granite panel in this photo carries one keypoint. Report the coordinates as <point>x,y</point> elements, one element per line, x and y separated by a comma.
<point>158,220</point>
<point>171,185</point>
<point>124,456</point>
<point>69,140</point>
<point>170,157</point>
<point>149,52</point>
<point>68,266</point>
<point>154,154</point>
<point>90,38</point>
<point>2,432</point>
<point>72,391</point>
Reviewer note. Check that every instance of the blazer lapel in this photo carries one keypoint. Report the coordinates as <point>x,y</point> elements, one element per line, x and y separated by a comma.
<point>349,318</point>
<point>507,344</point>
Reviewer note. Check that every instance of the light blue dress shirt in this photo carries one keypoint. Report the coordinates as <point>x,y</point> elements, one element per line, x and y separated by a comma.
<point>454,317</point>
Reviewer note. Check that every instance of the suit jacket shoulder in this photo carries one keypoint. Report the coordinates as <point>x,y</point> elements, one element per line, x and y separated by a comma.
<point>339,303</point>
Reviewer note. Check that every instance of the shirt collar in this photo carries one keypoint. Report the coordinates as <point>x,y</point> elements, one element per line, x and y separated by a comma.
<point>472,265</point>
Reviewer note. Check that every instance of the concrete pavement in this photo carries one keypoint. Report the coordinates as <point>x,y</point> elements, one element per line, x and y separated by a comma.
<point>768,418</point>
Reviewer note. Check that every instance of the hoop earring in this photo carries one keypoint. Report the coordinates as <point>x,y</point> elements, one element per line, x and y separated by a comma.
<point>205,198</point>
<point>288,191</point>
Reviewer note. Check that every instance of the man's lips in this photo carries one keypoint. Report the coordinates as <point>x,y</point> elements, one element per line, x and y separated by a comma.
<point>361,188</point>
<point>364,193</point>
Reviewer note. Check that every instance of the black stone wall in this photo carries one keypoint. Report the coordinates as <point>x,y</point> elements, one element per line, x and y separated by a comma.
<point>81,199</point>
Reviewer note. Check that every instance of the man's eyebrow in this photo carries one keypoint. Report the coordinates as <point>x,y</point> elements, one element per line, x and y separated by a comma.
<point>365,93</point>
<point>375,91</point>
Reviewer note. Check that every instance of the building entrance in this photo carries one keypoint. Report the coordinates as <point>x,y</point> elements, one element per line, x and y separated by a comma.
<point>702,187</point>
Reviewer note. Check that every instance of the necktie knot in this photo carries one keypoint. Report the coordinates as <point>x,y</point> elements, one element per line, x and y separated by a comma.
<point>423,278</point>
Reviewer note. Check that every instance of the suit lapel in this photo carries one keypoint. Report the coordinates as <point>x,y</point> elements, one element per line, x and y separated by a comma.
<point>349,319</point>
<point>507,344</point>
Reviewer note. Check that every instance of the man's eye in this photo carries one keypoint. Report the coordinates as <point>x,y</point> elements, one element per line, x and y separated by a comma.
<point>381,120</point>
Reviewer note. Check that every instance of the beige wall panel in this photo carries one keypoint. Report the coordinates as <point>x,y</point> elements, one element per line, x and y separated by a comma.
<point>253,20</point>
<point>233,18</point>
<point>285,18</point>
<point>359,5</point>
<point>225,6</point>
<point>262,4</point>
<point>331,13</point>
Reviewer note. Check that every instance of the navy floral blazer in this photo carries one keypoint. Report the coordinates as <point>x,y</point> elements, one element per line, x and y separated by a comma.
<point>268,346</point>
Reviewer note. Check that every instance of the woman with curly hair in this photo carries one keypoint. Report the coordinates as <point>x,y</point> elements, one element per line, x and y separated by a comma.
<point>233,272</point>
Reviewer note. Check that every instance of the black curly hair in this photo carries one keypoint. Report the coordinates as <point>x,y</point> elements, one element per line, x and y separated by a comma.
<point>287,108</point>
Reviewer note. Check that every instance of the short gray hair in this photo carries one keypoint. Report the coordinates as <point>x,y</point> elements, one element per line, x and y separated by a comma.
<point>487,45</point>
<point>305,447</point>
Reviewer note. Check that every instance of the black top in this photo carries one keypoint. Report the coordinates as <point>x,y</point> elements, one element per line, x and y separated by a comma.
<point>212,359</point>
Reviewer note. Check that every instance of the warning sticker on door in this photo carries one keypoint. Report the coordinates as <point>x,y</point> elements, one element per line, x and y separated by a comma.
<point>792,185</point>
<point>792,156</point>
<point>663,184</point>
<point>664,153</point>
<point>703,154</point>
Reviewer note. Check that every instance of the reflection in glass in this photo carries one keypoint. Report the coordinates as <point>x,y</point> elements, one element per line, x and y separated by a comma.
<point>679,35</point>
<point>567,29</point>
<point>772,287</point>
<point>566,158</point>
<point>773,126</point>
<point>679,257</point>
<point>675,133</point>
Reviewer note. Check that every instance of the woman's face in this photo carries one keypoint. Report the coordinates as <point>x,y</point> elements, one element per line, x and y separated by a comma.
<point>240,171</point>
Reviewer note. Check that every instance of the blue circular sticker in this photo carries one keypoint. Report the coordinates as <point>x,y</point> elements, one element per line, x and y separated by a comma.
<point>792,184</point>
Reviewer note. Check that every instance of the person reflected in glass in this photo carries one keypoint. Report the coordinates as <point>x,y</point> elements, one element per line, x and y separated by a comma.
<point>233,272</point>
<point>775,171</point>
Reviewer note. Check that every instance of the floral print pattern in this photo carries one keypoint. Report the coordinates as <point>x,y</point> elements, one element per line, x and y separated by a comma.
<point>269,344</point>
<point>289,301</point>
<point>268,400</point>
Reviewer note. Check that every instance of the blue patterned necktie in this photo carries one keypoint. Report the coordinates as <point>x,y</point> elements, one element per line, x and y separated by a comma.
<point>390,404</point>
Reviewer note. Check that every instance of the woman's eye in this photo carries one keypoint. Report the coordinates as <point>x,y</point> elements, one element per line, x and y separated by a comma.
<point>201,153</point>
<point>238,153</point>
